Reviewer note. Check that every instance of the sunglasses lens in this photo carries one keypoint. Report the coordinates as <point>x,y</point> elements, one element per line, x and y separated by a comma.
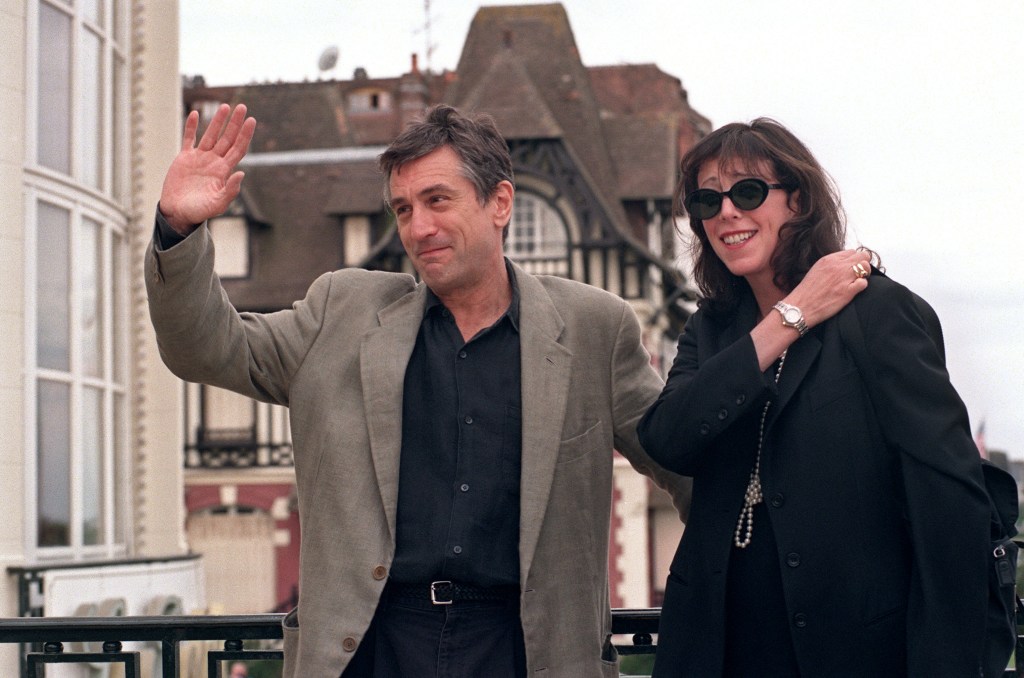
<point>703,203</point>
<point>748,194</point>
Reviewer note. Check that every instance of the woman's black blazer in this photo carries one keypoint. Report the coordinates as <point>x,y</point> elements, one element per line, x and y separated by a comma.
<point>882,547</point>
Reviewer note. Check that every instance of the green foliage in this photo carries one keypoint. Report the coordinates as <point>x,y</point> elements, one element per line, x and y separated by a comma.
<point>636,665</point>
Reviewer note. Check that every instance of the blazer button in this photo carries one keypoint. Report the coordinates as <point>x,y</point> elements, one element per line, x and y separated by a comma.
<point>793,560</point>
<point>705,429</point>
<point>349,644</point>
<point>777,500</point>
<point>740,399</point>
<point>722,414</point>
<point>800,620</point>
<point>380,572</point>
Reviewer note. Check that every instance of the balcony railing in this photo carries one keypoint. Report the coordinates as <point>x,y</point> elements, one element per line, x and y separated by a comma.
<point>43,639</point>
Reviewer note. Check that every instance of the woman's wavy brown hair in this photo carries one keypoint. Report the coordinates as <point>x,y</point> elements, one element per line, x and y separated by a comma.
<point>818,227</point>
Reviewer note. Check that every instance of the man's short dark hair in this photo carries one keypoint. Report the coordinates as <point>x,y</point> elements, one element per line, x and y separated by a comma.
<point>474,138</point>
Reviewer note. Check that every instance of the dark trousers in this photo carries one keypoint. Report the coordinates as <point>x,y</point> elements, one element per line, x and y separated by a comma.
<point>411,638</point>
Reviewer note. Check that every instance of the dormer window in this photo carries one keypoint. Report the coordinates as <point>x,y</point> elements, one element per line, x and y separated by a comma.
<point>206,108</point>
<point>369,101</point>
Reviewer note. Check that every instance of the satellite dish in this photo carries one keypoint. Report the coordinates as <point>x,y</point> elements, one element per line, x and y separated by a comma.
<point>328,58</point>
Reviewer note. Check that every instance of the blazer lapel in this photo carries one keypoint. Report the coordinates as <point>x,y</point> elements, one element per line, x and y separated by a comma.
<point>799,358</point>
<point>384,356</point>
<point>546,367</point>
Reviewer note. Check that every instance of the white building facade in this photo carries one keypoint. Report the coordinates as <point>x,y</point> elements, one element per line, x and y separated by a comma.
<point>91,471</point>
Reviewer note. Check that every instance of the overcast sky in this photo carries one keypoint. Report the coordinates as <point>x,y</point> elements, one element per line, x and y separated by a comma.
<point>913,106</point>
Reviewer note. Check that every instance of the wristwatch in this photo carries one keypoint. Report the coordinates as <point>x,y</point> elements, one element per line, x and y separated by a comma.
<point>792,317</point>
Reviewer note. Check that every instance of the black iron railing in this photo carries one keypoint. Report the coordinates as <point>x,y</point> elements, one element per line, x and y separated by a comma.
<point>43,639</point>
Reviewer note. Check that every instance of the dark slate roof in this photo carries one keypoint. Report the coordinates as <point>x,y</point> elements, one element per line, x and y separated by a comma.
<point>534,44</point>
<point>649,125</point>
<point>625,126</point>
<point>644,152</point>
<point>358,189</point>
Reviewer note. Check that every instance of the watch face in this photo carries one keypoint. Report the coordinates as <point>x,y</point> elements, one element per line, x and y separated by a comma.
<point>791,315</point>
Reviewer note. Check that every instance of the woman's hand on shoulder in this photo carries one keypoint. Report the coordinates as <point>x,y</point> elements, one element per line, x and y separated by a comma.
<point>831,283</point>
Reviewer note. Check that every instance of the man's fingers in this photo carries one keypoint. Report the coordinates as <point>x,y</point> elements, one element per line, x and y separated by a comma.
<point>188,140</point>
<point>232,186</point>
<point>213,130</point>
<point>234,124</point>
<point>240,145</point>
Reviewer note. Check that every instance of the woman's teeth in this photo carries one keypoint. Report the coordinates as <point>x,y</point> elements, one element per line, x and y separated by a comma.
<point>737,238</point>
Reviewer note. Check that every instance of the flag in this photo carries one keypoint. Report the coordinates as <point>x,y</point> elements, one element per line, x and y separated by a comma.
<point>979,440</point>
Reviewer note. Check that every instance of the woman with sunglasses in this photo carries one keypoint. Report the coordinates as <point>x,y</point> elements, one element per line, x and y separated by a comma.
<point>813,548</point>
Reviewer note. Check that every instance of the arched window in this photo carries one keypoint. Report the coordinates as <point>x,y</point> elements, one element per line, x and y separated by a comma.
<point>537,232</point>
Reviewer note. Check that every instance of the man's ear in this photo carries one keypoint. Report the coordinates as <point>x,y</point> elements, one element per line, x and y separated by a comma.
<point>503,197</point>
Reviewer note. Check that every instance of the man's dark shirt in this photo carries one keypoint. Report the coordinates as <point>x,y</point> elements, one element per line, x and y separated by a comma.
<point>458,490</point>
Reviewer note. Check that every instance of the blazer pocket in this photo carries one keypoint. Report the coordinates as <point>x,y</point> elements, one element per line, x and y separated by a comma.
<point>580,445</point>
<point>827,392</point>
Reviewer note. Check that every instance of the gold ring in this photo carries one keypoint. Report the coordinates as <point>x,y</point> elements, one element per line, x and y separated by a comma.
<point>859,270</point>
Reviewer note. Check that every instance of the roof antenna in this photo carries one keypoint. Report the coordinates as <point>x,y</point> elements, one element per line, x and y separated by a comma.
<point>429,50</point>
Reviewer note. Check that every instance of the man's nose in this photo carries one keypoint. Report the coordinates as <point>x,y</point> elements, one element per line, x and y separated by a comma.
<point>422,223</point>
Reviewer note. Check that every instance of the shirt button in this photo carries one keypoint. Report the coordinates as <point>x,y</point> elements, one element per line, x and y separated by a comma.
<point>740,399</point>
<point>793,559</point>
<point>462,354</point>
<point>468,419</point>
<point>722,414</point>
<point>778,500</point>
<point>464,487</point>
<point>349,644</point>
<point>800,620</point>
<point>457,550</point>
<point>380,572</point>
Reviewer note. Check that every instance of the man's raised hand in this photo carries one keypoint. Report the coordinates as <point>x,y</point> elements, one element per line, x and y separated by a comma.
<point>202,180</point>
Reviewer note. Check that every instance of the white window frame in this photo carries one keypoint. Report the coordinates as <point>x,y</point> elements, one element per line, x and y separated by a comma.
<point>107,204</point>
<point>546,222</point>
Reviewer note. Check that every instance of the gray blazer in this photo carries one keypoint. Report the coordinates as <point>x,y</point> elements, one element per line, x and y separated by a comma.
<point>337,359</point>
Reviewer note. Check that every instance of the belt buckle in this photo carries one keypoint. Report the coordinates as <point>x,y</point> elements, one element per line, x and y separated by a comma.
<point>433,593</point>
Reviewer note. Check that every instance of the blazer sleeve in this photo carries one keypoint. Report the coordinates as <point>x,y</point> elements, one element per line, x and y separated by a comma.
<point>947,507</point>
<point>202,338</point>
<point>635,384</point>
<point>707,391</point>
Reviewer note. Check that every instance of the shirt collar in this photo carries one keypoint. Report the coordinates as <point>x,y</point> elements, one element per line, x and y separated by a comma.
<point>435,305</point>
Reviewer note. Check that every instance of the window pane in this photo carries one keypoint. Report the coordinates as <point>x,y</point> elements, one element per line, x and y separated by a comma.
<point>90,294</point>
<point>119,157</point>
<point>54,132</point>
<point>53,489</point>
<point>122,479</point>
<point>92,10</point>
<point>92,467</point>
<point>119,22</point>
<point>91,98</point>
<point>52,308</point>
<point>119,295</point>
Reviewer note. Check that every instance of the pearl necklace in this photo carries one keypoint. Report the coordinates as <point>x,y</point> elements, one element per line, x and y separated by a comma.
<point>753,495</point>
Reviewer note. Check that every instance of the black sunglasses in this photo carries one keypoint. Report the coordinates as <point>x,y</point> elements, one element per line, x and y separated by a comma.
<point>746,194</point>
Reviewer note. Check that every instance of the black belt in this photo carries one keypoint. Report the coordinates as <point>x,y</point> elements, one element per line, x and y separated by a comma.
<point>448,592</point>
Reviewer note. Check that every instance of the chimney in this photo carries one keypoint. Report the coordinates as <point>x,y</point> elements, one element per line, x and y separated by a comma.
<point>412,94</point>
